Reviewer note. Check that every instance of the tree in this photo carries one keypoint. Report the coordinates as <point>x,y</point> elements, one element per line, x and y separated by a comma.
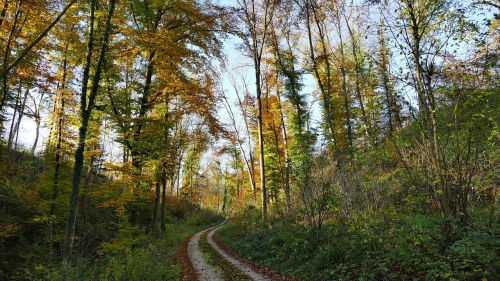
<point>257,17</point>
<point>8,66</point>
<point>85,113</point>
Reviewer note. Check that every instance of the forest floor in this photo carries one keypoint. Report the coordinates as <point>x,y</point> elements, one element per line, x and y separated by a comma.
<point>208,259</point>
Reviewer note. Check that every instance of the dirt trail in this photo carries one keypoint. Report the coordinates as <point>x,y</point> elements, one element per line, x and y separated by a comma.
<point>256,276</point>
<point>206,272</point>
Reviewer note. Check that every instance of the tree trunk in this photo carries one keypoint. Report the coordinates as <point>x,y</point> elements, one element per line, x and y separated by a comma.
<point>20,117</point>
<point>261,141</point>
<point>163,203</point>
<point>85,112</point>
<point>13,121</point>
<point>345,93</point>
<point>325,91</point>
<point>58,152</point>
<point>285,150</point>
<point>393,116</point>
<point>359,75</point>
<point>240,145</point>
<point>154,216</point>
<point>38,121</point>
<point>5,62</point>
<point>251,167</point>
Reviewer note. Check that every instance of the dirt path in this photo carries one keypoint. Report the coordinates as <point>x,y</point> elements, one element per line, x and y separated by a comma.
<point>256,276</point>
<point>206,272</point>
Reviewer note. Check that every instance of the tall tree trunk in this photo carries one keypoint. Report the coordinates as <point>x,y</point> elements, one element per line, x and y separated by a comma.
<point>285,150</point>
<point>61,100</point>
<point>391,103</point>
<point>427,107</point>
<point>291,76</point>
<point>359,74</point>
<point>136,154</point>
<point>324,89</point>
<point>345,92</point>
<point>261,141</point>
<point>85,113</point>
<point>60,124</point>
<point>251,167</point>
<point>144,106</point>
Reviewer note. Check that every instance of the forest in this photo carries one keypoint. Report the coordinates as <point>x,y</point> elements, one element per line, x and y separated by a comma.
<point>290,140</point>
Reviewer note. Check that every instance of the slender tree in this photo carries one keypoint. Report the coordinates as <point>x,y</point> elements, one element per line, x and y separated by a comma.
<point>85,113</point>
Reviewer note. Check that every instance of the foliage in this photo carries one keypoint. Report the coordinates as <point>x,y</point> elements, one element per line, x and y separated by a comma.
<point>394,247</point>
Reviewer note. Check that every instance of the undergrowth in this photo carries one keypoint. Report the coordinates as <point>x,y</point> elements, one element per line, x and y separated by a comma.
<point>397,247</point>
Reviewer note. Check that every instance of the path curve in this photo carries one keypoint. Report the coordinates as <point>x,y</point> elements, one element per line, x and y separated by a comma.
<point>204,271</point>
<point>256,276</point>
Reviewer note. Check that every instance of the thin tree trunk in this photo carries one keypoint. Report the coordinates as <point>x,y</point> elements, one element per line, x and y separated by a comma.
<point>325,93</point>
<point>345,93</point>
<point>163,203</point>
<point>359,75</point>
<point>144,101</point>
<point>20,117</point>
<point>290,74</point>
<point>58,153</point>
<point>261,142</point>
<point>285,149</point>
<point>240,145</point>
<point>37,134</point>
<point>384,73</point>
<point>13,121</point>
<point>85,112</point>
<point>251,168</point>
<point>154,216</point>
